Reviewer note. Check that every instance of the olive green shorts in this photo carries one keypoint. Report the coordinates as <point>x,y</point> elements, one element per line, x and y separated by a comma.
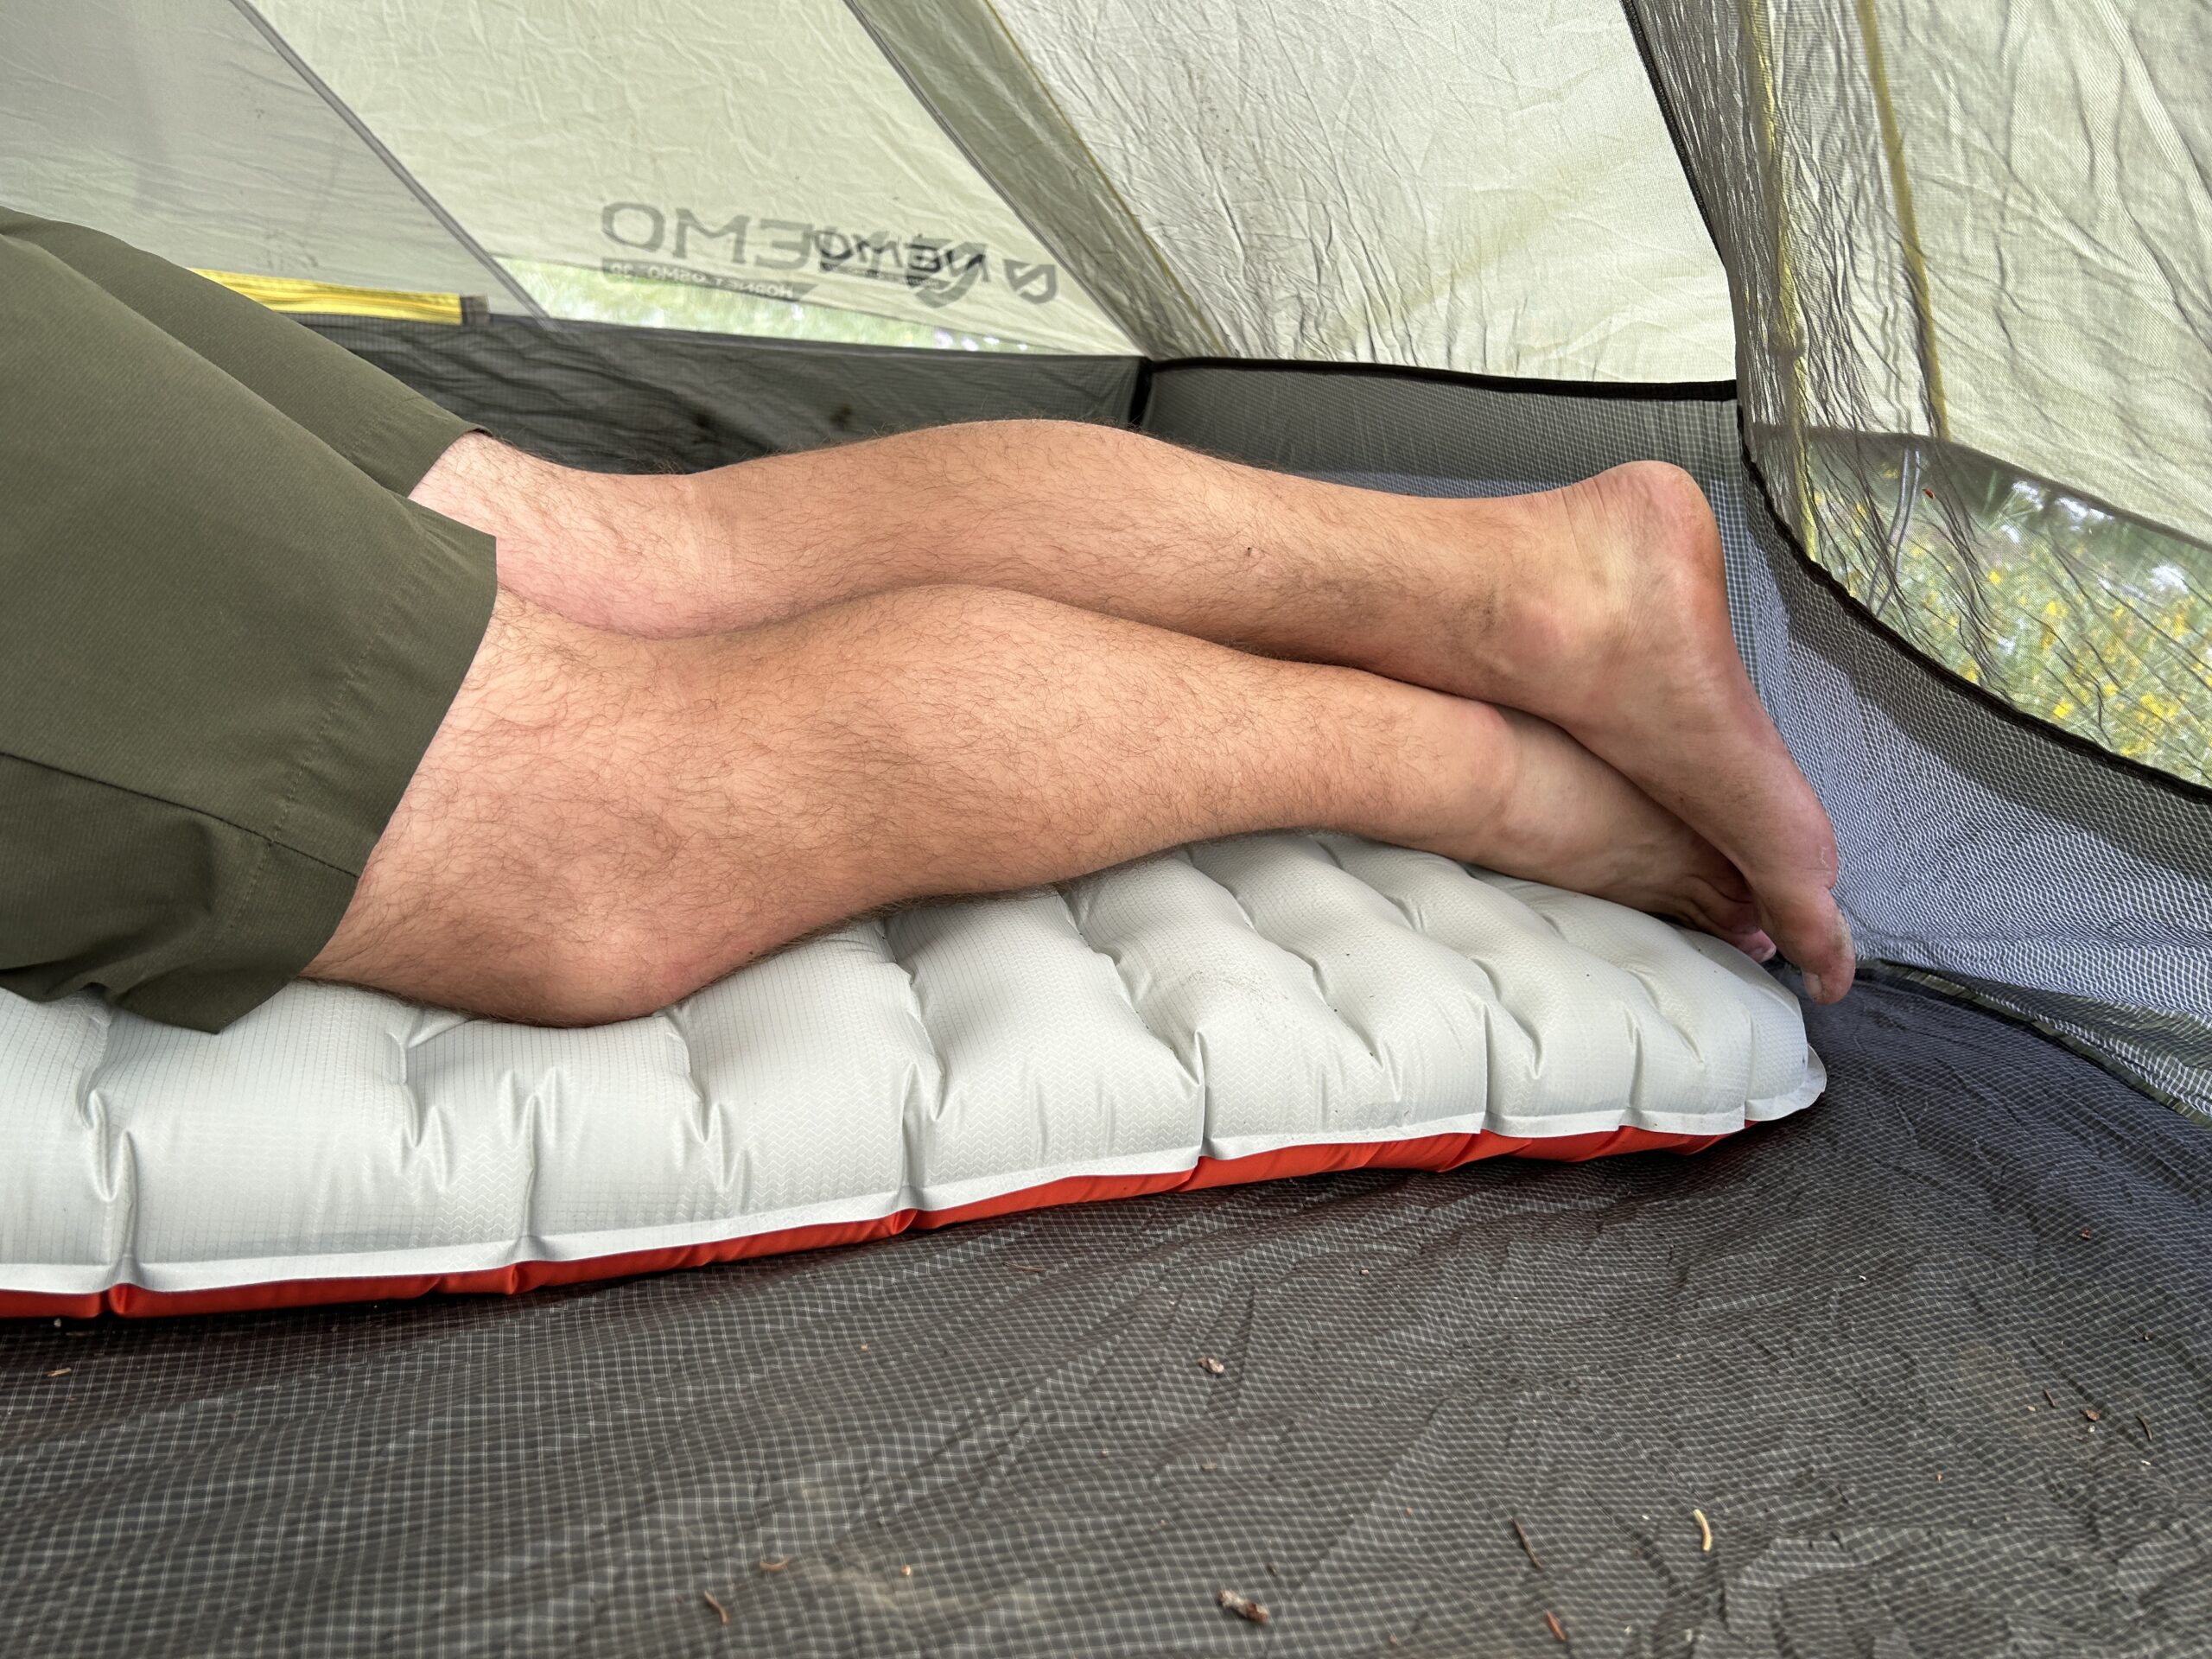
<point>226,637</point>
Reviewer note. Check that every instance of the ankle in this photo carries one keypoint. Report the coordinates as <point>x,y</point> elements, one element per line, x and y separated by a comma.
<point>1518,624</point>
<point>1454,769</point>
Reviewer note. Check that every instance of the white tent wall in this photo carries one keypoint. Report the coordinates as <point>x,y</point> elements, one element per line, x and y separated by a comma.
<point>1486,189</point>
<point>1481,188</point>
<point>182,128</point>
<point>724,166</point>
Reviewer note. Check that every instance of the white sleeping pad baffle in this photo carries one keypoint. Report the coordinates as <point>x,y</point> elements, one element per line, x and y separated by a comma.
<point>1267,1006</point>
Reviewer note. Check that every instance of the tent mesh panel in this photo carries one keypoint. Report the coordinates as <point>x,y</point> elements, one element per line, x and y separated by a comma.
<point>1968,248</point>
<point>619,398</point>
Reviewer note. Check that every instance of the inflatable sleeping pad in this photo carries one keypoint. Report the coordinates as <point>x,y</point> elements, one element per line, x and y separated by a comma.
<point>1233,1011</point>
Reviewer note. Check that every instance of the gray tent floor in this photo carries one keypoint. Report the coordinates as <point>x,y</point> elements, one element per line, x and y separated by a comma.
<point>1933,1359</point>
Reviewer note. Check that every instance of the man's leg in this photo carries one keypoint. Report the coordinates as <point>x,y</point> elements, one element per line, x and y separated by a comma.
<point>1598,607</point>
<point>604,824</point>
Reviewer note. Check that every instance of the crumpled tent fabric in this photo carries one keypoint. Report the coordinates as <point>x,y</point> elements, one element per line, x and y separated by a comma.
<point>1402,184</point>
<point>1931,1360</point>
<point>1970,248</point>
<point>1984,223</point>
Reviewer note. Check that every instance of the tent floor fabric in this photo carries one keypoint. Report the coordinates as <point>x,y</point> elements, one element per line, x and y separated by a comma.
<point>1933,1359</point>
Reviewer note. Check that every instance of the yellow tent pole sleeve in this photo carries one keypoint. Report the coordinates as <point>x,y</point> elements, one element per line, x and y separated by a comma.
<point>295,293</point>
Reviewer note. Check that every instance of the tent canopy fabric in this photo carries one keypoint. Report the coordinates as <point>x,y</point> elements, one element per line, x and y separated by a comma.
<point>1169,180</point>
<point>1402,184</point>
<point>1971,252</point>
<point>185,130</point>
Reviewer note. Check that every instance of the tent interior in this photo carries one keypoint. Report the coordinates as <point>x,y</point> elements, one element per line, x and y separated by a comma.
<point>1921,294</point>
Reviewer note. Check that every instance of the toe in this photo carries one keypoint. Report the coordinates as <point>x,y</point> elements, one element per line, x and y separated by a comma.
<point>1713,899</point>
<point>1811,933</point>
<point>1753,942</point>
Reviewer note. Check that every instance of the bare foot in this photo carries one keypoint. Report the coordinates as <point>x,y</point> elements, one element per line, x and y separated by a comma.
<point>1630,651</point>
<point>1549,810</point>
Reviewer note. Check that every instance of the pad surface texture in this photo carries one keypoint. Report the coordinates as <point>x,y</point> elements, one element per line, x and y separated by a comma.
<point>1232,1011</point>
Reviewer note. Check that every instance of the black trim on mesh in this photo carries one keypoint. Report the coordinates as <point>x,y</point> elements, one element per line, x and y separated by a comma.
<point>1880,970</point>
<point>1312,417</point>
<point>1642,392</point>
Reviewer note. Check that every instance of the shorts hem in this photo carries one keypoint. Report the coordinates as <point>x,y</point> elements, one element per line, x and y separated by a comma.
<point>345,784</point>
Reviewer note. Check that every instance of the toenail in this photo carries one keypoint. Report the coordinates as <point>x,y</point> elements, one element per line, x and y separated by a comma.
<point>1812,984</point>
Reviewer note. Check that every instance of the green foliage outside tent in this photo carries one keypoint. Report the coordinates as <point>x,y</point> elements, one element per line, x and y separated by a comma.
<point>2097,623</point>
